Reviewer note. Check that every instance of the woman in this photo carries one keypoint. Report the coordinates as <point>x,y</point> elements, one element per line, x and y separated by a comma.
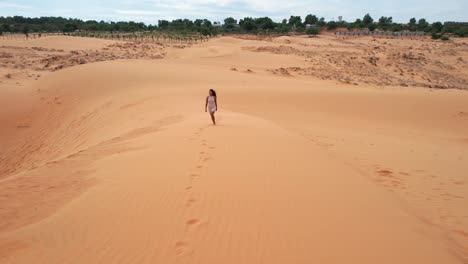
<point>211,105</point>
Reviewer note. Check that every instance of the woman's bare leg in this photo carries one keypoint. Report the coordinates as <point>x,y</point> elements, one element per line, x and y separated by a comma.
<point>213,118</point>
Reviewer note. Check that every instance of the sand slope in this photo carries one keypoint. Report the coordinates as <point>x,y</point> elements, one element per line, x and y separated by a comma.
<point>116,162</point>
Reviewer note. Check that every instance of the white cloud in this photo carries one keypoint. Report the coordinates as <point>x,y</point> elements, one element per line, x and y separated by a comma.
<point>137,12</point>
<point>12,5</point>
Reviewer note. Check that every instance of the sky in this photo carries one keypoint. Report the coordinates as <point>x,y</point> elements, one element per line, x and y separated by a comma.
<point>150,11</point>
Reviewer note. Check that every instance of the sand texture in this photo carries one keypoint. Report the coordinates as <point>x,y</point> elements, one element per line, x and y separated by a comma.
<point>326,150</point>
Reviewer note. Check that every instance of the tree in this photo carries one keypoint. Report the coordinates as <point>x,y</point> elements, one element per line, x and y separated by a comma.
<point>25,30</point>
<point>205,31</point>
<point>284,27</point>
<point>358,23</point>
<point>311,19</point>
<point>295,22</point>
<point>230,20</point>
<point>264,23</point>
<point>181,28</point>
<point>367,20</point>
<point>321,22</point>
<point>342,24</point>
<point>206,28</point>
<point>350,26</point>
<point>384,22</point>
<point>331,25</point>
<point>313,31</point>
<point>230,24</point>
<point>423,25</point>
<point>247,24</point>
<point>412,24</point>
<point>207,23</point>
<point>70,27</point>
<point>5,28</point>
<point>461,32</point>
<point>396,27</point>
<point>436,27</point>
<point>163,24</point>
<point>260,24</point>
<point>198,23</point>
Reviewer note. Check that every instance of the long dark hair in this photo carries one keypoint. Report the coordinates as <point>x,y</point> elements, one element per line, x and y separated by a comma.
<point>213,92</point>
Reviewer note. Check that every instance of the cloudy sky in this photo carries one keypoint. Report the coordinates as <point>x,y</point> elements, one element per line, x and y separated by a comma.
<point>150,11</point>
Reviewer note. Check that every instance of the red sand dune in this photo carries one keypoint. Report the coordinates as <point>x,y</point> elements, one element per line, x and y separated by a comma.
<point>116,162</point>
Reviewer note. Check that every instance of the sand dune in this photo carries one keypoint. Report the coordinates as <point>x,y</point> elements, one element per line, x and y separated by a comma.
<point>116,162</point>
<point>24,61</point>
<point>60,42</point>
<point>387,62</point>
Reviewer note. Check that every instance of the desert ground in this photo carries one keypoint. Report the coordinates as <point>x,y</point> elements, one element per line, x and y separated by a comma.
<point>326,150</point>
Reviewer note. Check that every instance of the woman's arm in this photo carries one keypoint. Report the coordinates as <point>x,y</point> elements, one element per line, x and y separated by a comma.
<point>216,102</point>
<point>206,103</point>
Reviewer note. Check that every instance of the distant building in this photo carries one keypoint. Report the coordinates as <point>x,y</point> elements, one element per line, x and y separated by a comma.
<point>312,26</point>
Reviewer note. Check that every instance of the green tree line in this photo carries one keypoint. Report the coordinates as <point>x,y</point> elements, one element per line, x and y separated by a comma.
<point>19,24</point>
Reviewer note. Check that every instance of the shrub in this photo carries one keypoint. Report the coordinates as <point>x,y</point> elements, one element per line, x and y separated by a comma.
<point>462,32</point>
<point>444,37</point>
<point>331,25</point>
<point>436,35</point>
<point>313,31</point>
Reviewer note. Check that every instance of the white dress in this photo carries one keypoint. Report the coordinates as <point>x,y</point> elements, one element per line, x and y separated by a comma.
<point>211,104</point>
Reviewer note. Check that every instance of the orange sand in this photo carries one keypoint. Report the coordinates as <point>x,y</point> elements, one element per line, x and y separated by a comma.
<point>116,161</point>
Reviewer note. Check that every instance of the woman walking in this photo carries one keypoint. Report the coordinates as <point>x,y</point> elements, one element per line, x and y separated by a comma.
<point>211,105</point>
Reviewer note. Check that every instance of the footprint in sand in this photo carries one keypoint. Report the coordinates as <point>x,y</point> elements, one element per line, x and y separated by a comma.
<point>181,248</point>
<point>388,179</point>
<point>199,131</point>
<point>461,233</point>
<point>190,202</point>
<point>385,172</point>
<point>192,222</point>
<point>180,244</point>
<point>193,176</point>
